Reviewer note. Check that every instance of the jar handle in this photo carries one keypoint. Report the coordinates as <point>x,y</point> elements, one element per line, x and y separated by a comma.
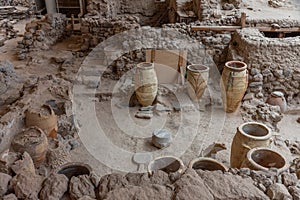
<point>246,146</point>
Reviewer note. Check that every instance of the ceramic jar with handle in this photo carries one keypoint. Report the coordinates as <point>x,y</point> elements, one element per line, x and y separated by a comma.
<point>248,136</point>
<point>234,83</point>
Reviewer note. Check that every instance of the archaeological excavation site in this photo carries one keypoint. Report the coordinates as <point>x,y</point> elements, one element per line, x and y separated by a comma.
<point>150,99</point>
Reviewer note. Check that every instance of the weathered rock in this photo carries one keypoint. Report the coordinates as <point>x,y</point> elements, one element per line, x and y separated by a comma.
<point>157,192</point>
<point>24,164</point>
<point>116,181</point>
<point>81,186</point>
<point>295,192</point>
<point>86,198</point>
<point>10,197</point>
<point>54,187</point>
<point>289,179</point>
<point>27,185</point>
<point>278,191</point>
<point>228,186</point>
<point>110,182</point>
<point>4,183</point>
<point>191,186</point>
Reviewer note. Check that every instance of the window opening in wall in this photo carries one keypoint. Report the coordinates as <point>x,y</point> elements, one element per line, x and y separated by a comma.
<point>281,34</point>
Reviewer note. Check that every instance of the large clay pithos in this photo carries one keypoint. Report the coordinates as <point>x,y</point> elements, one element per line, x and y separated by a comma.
<point>197,76</point>
<point>33,141</point>
<point>208,164</point>
<point>277,99</point>
<point>44,118</point>
<point>234,83</point>
<point>146,84</point>
<point>263,159</point>
<point>248,136</point>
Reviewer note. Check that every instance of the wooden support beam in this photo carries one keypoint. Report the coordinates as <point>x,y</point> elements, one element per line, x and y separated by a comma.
<point>234,28</point>
<point>243,20</point>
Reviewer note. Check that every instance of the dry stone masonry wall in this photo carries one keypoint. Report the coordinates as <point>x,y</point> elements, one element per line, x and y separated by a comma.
<point>273,63</point>
<point>42,34</point>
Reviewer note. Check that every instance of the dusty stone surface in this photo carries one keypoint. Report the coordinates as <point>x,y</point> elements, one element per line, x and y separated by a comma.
<point>289,179</point>
<point>10,86</point>
<point>4,183</point>
<point>81,186</point>
<point>24,164</point>
<point>227,186</point>
<point>191,186</point>
<point>86,198</point>
<point>278,191</point>
<point>158,192</point>
<point>10,197</point>
<point>27,185</point>
<point>116,181</point>
<point>54,187</point>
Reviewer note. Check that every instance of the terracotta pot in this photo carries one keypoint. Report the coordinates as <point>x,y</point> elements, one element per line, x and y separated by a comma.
<point>263,159</point>
<point>74,169</point>
<point>277,99</point>
<point>34,141</point>
<point>234,83</point>
<point>248,136</point>
<point>146,84</point>
<point>168,164</point>
<point>197,76</point>
<point>44,118</point>
<point>208,164</point>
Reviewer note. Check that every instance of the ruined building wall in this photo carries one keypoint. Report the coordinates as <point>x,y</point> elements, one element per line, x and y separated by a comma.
<point>148,11</point>
<point>273,63</point>
<point>42,34</point>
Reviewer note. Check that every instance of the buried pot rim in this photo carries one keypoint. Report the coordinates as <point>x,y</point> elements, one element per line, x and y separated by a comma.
<point>192,162</point>
<point>180,170</point>
<point>71,164</point>
<point>258,166</point>
<point>264,137</point>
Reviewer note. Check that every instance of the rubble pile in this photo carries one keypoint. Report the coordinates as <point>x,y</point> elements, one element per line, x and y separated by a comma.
<point>41,34</point>
<point>254,109</point>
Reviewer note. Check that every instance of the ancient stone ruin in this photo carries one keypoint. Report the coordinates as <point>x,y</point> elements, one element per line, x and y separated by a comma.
<point>157,99</point>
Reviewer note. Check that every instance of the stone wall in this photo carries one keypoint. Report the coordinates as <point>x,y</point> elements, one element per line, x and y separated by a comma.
<point>42,34</point>
<point>273,63</point>
<point>99,29</point>
<point>148,11</point>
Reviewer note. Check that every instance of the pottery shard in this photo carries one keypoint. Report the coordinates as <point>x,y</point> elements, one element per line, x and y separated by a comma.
<point>278,191</point>
<point>191,186</point>
<point>27,185</point>
<point>157,192</point>
<point>10,197</point>
<point>81,186</point>
<point>54,187</point>
<point>228,186</point>
<point>4,182</point>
